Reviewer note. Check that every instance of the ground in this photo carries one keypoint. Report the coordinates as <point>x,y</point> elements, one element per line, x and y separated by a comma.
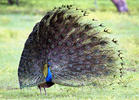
<point>17,22</point>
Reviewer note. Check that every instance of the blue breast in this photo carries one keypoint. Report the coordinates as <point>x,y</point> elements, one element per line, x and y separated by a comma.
<point>49,76</point>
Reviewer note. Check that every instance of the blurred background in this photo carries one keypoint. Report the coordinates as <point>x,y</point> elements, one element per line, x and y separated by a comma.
<point>17,18</point>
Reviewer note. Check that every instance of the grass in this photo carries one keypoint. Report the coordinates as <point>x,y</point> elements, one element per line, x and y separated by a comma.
<point>17,22</point>
<point>41,6</point>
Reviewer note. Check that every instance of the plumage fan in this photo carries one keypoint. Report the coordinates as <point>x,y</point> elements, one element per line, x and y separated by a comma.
<point>68,48</point>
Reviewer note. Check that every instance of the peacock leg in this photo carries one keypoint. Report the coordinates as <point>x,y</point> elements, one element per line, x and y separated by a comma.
<point>40,89</point>
<point>44,91</point>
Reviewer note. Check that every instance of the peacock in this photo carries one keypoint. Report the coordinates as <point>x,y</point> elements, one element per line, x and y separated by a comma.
<point>69,48</point>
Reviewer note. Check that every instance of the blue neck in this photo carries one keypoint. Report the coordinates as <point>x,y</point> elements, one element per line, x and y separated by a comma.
<point>49,76</point>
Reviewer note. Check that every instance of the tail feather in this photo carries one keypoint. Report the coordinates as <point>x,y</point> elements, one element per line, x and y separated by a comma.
<point>79,51</point>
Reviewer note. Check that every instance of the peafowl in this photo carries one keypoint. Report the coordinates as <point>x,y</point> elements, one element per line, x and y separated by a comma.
<point>69,48</point>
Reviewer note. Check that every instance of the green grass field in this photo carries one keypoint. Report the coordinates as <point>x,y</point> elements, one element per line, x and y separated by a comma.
<point>17,22</point>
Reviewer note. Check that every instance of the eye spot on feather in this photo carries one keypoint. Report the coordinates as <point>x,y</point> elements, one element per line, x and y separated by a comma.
<point>103,43</point>
<point>107,30</point>
<point>73,73</point>
<point>54,59</point>
<point>82,35</point>
<point>88,57</point>
<point>69,17</point>
<point>77,45</point>
<point>70,65</point>
<point>71,59</point>
<point>54,53</point>
<point>87,47</point>
<point>101,25</point>
<point>114,41</point>
<point>80,53</point>
<point>97,61</point>
<point>30,64</point>
<point>94,19</point>
<point>47,51</point>
<point>87,27</point>
<point>88,76</point>
<point>107,73</point>
<point>68,6</point>
<point>49,40</point>
<point>71,51</point>
<point>76,25</point>
<point>80,62</point>
<point>78,68</point>
<point>85,13</point>
<point>96,51</point>
<point>63,57</point>
<point>102,67</point>
<point>62,64</point>
<point>56,37</point>
<point>68,43</point>
<point>94,39</point>
<point>47,16</point>
<point>59,43</point>
<point>52,46</point>
<point>63,51</point>
<point>74,36</point>
<point>62,35</point>
<point>87,66</point>
<point>97,74</point>
<point>63,6</point>
<point>44,20</point>
<point>103,56</point>
<point>49,58</point>
<point>110,60</point>
<point>93,69</point>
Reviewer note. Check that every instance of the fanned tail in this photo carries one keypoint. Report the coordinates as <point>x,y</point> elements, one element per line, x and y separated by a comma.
<point>77,47</point>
